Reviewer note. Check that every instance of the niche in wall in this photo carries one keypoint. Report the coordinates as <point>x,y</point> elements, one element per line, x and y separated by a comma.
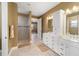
<point>50,25</point>
<point>50,28</point>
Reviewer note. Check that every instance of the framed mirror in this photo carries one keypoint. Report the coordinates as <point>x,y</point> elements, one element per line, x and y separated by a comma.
<point>72,24</point>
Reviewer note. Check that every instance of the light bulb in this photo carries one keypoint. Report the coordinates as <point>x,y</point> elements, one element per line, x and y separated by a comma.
<point>75,8</point>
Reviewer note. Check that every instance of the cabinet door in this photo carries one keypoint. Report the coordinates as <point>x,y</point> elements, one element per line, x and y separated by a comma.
<point>71,48</point>
<point>55,46</point>
<point>67,48</point>
<point>67,51</point>
<point>52,44</point>
<point>61,47</point>
<point>74,51</point>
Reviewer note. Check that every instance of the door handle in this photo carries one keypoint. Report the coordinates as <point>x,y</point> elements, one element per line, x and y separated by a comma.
<point>5,37</point>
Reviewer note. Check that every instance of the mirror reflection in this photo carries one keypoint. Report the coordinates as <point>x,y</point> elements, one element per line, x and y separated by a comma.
<point>72,24</point>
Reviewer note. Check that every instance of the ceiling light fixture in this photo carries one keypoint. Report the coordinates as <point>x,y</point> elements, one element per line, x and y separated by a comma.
<point>68,11</point>
<point>50,17</point>
<point>75,8</point>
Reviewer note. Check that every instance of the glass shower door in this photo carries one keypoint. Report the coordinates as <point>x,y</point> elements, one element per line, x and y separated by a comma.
<point>23,35</point>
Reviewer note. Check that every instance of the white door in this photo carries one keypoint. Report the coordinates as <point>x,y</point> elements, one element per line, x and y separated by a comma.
<point>4,13</point>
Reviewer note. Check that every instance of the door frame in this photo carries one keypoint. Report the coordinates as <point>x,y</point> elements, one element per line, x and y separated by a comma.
<point>4,16</point>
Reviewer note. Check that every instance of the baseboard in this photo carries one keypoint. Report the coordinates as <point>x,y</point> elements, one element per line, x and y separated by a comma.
<point>12,50</point>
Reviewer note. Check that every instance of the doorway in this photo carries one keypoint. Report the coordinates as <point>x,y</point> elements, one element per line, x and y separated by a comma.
<point>36,30</point>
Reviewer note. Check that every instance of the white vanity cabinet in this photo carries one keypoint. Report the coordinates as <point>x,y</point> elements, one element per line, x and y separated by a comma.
<point>72,48</point>
<point>47,39</point>
<point>52,39</point>
<point>61,46</point>
<point>55,46</point>
<point>64,47</point>
<point>56,41</point>
<point>67,47</point>
<point>74,51</point>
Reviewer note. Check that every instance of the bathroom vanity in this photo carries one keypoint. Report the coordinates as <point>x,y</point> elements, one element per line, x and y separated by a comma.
<point>57,40</point>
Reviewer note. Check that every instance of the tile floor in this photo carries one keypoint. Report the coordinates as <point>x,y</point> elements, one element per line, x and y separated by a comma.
<point>33,50</point>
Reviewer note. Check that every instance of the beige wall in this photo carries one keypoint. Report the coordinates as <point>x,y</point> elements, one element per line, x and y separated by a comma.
<point>12,20</point>
<point>63,5</point>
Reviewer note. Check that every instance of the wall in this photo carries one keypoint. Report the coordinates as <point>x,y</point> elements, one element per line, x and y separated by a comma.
<point>63,5</point>
<point>12,20</point>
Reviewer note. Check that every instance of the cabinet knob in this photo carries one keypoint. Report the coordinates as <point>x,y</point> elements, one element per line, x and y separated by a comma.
<point>5,37</point>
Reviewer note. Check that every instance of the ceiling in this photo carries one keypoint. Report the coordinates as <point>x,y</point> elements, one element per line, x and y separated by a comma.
<point>37,8</point>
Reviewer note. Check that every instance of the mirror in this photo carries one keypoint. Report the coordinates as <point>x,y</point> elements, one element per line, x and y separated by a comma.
<point>72,24</point>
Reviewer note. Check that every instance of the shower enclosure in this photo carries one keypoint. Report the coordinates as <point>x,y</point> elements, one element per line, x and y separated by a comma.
<point>23,36</point>
<point>23,30</point>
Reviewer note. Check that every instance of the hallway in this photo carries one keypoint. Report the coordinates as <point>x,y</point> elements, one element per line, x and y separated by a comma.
<point>38,49</point>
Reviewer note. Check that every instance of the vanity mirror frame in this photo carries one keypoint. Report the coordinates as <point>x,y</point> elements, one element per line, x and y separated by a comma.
<point>73,15</point>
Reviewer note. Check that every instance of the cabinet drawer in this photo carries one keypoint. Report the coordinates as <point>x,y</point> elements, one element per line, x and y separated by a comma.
<point>75,44</point>
<point>62,54</point>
